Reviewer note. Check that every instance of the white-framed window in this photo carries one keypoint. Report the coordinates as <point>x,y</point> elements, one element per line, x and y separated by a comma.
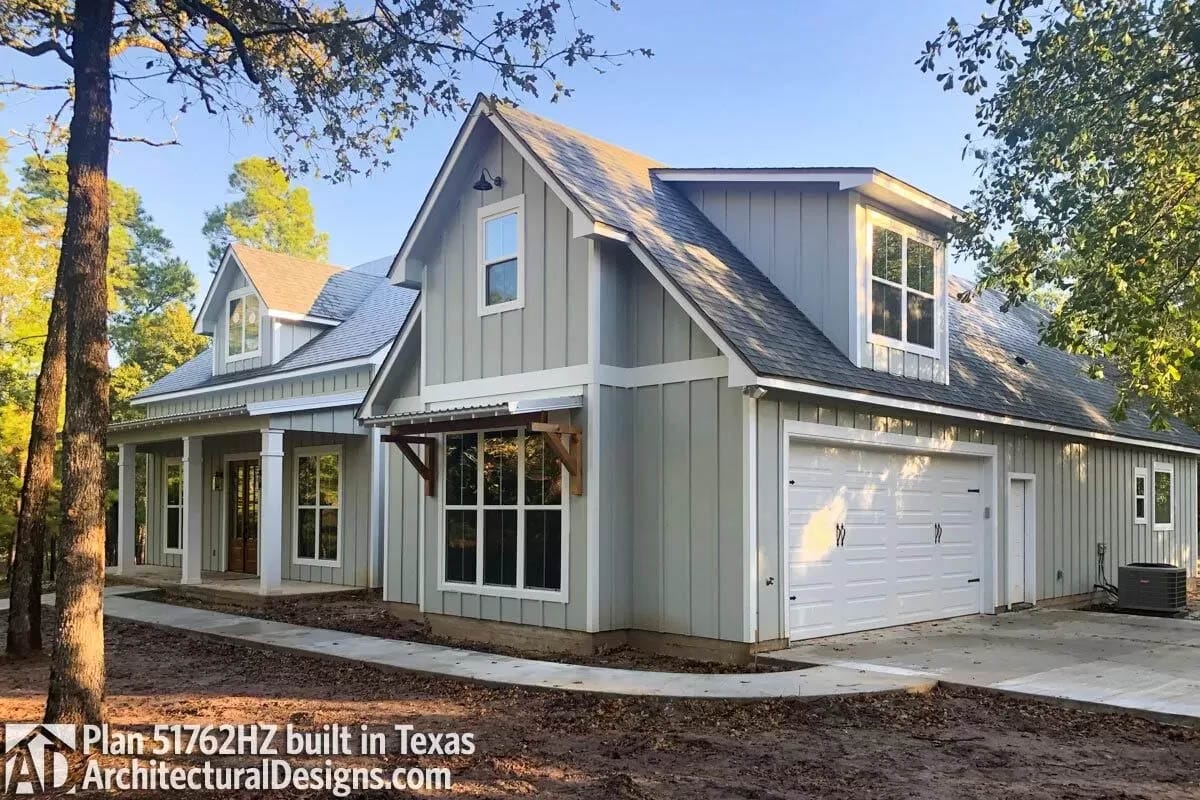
<point>317,525</point>
<point>501,247</point>
<point>504,516</point>
<point>173,506</point>
<point>1140,482</point>
<point>1164,496</point>
<point>243,317</point>
<point>905,280</point>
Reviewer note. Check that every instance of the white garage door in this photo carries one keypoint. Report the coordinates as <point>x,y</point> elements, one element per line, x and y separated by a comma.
<point>881,537</point>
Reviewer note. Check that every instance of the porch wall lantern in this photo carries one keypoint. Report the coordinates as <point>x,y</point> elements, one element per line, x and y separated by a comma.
<point>217,480</point>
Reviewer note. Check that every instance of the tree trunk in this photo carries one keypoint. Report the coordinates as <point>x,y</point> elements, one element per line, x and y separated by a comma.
<point>29,544</point>
<point>77,666</point>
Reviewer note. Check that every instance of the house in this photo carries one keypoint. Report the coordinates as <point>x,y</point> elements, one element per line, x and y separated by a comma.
<point>718,410</point>
<point>259,478</point>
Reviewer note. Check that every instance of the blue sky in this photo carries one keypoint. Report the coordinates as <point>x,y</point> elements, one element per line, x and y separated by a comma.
<point>751,83</point>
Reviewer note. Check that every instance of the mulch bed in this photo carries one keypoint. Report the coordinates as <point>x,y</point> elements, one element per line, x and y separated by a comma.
<point>364,613</point>
<point>947,744</point>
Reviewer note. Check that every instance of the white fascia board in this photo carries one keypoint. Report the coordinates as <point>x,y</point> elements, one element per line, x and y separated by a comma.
<point>307,403</point>
<point>921,407</point>
<point>435,191</point>
<point>320,369</point>
<point>655,374</point>
<point>291,316</point>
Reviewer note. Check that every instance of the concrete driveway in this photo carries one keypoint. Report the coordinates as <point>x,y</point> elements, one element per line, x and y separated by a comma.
<point>1147,665</point>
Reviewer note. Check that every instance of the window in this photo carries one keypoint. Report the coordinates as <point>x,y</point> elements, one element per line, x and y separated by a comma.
<point>505,522</point>
<point>1164,496</point>
<point>501,256</point>
<point>242,326</point>
<point>318,524</point>
<point>1139,496</point>
<point>173,495</point>
<point>903,286</point>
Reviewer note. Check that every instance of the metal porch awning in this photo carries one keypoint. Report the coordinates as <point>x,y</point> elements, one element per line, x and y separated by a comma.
<point>415,429</point>
<point>172,419</point>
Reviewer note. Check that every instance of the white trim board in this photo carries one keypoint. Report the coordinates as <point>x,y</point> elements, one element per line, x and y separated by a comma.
<point>393,353</point>
<point>304,403</point>
<point>671,372</point>
<point>935,409</point>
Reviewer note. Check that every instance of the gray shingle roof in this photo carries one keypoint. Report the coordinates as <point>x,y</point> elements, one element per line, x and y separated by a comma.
<point>373,323</point>
<point>617,187</point>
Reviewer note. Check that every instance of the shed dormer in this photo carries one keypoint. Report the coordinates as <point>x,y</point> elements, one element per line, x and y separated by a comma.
<point>860,253</point>
<point>263,306</point>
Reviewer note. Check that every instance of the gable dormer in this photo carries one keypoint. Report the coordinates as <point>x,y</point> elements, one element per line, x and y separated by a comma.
<point>859,252</point>
<point>263,306</point>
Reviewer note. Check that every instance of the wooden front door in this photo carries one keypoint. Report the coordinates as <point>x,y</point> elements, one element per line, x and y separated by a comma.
<point>244,484</point>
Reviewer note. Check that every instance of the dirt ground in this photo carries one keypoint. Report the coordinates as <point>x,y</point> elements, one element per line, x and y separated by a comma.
<point>948,744</point>
<point>363,613</point>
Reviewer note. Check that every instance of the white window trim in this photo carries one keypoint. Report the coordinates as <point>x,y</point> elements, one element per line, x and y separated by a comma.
<point>486,213</point>
<point>1140,472</point>
<point>247,291</point>
<point>318,450</point>
<point>1169,469</point>
<point>479,587</point>
<point>167,464</point>
<point>907,232</point>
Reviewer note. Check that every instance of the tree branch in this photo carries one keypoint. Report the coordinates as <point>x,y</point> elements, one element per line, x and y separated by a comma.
<point>41,48</point>
<point>145,141</point>
<point>34,87</point>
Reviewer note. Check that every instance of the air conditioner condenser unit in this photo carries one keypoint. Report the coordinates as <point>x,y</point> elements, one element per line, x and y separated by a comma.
<point>1152,587</point>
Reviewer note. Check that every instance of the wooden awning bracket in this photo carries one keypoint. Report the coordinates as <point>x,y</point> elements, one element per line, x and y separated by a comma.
<point>569,453</point>
<point>427,468</point>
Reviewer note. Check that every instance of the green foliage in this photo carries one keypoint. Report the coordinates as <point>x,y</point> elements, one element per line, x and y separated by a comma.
<point>1089,162</point>
<point>268,213</point>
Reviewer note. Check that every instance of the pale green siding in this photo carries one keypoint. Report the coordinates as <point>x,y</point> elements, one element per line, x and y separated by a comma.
<point>551,330</point>
<point>333,382</point>
<point>1084,496</point>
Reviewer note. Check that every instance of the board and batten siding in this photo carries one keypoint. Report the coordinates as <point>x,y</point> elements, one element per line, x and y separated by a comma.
<point>671,552</point>
<point>1084,497</point>
<point>800,239</point>
<point>640,323</point>
<point>288,337</point>
<point>334,382</point>
<point>406,495</point>
<point>551,330</point>
<point>355,504</point>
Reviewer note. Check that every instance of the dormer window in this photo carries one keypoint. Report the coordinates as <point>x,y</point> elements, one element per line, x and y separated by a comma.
<point>242,325</point>
<point>501,256</point>
<point>904,281</point>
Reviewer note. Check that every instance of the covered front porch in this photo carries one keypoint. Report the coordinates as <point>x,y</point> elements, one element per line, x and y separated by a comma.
<point>218,585</point>
<point>240,504</point>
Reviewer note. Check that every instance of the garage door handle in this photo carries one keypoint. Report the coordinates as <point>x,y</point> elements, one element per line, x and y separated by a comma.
<point>841,534</point>
<point>937,533</point>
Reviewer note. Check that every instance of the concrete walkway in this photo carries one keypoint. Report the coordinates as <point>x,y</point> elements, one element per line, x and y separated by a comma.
<point>1147,665</point>
<point>502,670</point>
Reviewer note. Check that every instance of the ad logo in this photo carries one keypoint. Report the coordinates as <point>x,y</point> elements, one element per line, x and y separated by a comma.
<point>35,757</point>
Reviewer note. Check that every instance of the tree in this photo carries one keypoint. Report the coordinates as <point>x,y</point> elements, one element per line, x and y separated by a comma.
<point>269,213</point>
<point>337,87</point>
<point>149,284</point>
<point>1089,162</point>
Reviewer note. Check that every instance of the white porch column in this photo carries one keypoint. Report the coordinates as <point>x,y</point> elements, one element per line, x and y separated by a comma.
<point>270,513</point>
<point>193,493</point>
<point>126,511</point>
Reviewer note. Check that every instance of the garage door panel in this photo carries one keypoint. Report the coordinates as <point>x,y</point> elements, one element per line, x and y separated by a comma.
<point>890,569</point>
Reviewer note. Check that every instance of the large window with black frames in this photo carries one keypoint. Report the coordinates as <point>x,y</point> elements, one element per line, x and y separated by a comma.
<point>504,515</point>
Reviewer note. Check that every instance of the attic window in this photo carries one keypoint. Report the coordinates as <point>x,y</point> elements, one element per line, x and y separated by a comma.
<point>501,244</point>
<point>242,326</point>
<point>904,300</point>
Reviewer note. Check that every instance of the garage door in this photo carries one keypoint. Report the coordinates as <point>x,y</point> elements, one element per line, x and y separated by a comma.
<point>881,537</point>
